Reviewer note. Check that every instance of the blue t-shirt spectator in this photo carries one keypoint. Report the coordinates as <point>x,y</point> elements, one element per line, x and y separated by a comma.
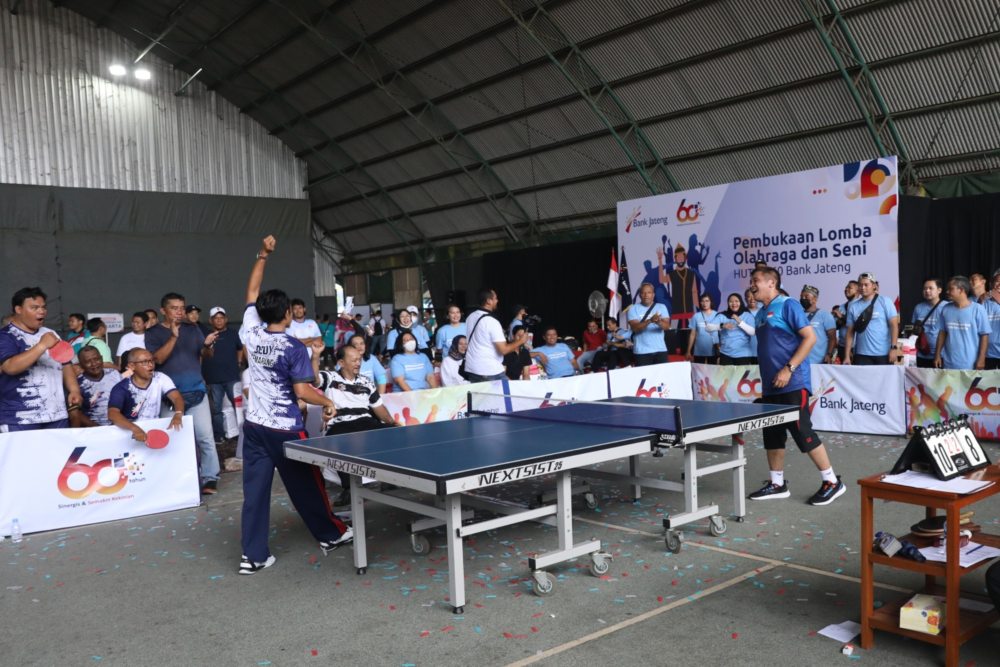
<point>419,333</point>
<point>932,323</point>
<point>704,340</point>
<point>650,340</point>
<point>874,340</point>
<point>223,366</point>
<point>373,369</point>
<point>965,326</point>
<point>778,326</point>
<point>822,322</point>
<point>993,315</point>
<point>735,342</point>
<point>183,366</point>
<point>444,335</point>
<point>413,367</point>
<point>558,360</point>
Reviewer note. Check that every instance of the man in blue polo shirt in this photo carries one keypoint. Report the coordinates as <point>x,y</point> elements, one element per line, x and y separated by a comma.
<point>222,369</point>
<point>784,339</point>
<point>965,330</point>
<point>648,321</point>
<point>178,347</point>
<point>872,326</point>
<point>557,358</point>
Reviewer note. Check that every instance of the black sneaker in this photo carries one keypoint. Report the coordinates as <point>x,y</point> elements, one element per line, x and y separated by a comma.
<point>345,538</point>
<point>828,492</point>
<point>249,567</point>
<point>342,499</point>
<point>210,488</point>
<point>770,491</point>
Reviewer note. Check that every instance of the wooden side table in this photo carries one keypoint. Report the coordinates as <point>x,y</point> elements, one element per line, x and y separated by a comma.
<point>960,626</point>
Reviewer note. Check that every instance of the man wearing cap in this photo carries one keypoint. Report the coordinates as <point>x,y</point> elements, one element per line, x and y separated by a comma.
<point>683,287</point>
<point>222,369</point>
<point>872,326</point>
<point>822,324</point>
<point>303,328</point>
<point>193,315</point>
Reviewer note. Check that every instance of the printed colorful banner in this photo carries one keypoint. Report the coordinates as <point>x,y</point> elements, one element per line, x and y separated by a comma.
<point>858,399</point>
<point>431,405</point>
<point>671,380</point>
<point>820,227</point>
<point>933,395</point>
<point>73,477</point>
<point>528,394</point>
<point>734,384</point>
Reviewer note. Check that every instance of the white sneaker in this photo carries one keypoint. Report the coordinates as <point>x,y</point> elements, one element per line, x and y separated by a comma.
<point>249,567</point>
<point>345,538</point>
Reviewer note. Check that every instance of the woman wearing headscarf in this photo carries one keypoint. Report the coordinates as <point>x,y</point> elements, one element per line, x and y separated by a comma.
<point>452,360</point>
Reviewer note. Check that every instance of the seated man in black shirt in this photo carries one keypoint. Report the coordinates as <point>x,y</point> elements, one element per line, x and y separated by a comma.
<point>517,363</point>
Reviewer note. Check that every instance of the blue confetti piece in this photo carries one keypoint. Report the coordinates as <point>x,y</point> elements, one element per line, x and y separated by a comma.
<point>478,630</point>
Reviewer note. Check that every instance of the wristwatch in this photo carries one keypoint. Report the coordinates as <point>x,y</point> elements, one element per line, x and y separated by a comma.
<point>791,367</point>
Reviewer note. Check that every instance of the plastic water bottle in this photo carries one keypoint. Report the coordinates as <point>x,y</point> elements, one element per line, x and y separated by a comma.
<point>15,532</point>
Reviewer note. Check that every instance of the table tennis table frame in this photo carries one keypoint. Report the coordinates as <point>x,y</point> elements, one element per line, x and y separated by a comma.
<point>447,505</point>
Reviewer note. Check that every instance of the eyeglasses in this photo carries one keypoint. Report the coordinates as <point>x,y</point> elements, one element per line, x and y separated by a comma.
<point>143,362</point>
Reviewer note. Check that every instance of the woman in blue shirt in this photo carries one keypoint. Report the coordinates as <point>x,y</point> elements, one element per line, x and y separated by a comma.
<point>410,370</point>
<point>704,333</point>
<point>370,366</point>
<point>737,330</point>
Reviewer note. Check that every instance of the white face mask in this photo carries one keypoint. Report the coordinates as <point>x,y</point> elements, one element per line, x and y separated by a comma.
<point>410,345</point>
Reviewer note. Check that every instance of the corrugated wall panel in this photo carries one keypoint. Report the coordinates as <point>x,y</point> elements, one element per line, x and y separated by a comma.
<point>64,123</point>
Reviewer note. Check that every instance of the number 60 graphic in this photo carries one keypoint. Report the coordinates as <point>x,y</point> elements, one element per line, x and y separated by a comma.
<point>93,473</point>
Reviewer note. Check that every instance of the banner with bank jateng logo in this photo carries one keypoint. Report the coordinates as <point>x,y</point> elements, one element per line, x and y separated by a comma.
<point>820,227</point>
<point>72,477</point>
<point>858,399</point>
<point>933,395</point>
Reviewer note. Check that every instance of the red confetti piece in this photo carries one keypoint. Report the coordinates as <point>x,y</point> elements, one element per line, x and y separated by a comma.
<point>624,574</point>
<point>673,582</point>
<point>312,559</point>
<point>538,615</point>
<point>659,598</point>
<point>736,635</point>
<point>448,628</point>
<point>780,591</point>
<point>392,607</point>
<point>425,633</point>
<point>314,652</point>
<point>508,635</point>
<point>534,628</point>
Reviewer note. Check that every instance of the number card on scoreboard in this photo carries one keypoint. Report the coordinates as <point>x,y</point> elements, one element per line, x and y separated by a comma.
<point>950,448</point>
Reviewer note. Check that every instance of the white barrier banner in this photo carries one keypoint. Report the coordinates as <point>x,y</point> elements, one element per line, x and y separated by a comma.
<point>71,477</point>
<point>433,405</point>
<point>671,380</point>
<point>733,384</point>
<point>858,399</point>
<point>528,394</point>
<point>933,395</point>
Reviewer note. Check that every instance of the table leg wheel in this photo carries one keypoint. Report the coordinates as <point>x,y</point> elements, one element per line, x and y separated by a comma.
<point>420,544</point>
<point>543,584</point>
<point>673,542</point>
<point>717,525</point>
<point>740,519</point>
<point>362,570</point>
<point>601,563</point>
<point>591,500</point>
<point>458,610</point>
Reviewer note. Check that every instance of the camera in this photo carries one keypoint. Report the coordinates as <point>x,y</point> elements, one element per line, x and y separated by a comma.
<point>530,321</point>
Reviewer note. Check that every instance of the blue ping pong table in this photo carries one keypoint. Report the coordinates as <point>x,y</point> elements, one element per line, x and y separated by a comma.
<point>448,460</point>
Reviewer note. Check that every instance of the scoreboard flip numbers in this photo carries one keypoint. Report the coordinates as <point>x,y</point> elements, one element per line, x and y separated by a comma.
<point>952,448</point>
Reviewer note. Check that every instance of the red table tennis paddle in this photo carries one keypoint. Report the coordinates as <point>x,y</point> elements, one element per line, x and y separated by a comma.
<point>157,439</point>
<point>62,352</point>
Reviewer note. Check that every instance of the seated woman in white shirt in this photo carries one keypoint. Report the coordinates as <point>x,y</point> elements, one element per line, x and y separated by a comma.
<point>452,360</point>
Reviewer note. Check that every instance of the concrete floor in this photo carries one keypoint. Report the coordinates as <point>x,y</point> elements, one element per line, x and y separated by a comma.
<point>163,589</point>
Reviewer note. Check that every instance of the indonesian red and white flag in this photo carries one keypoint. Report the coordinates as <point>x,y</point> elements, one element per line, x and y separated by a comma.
<point>615,301</point>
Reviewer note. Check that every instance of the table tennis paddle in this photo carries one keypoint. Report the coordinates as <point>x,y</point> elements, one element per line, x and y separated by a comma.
<point>62,352</point>
<point>157,439</point>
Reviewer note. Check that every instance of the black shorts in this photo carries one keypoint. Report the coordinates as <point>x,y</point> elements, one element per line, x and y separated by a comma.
<point>651,358</point>
<point>802,431</point>
<point>725,360</point>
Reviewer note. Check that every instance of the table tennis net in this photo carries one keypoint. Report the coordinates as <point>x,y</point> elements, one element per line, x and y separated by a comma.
<point>656,418</point>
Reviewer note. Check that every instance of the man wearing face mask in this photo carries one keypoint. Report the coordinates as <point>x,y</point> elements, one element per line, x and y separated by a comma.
<point>822,324</point>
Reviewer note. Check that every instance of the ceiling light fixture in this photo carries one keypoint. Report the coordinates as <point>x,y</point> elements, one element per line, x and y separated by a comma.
<point>118,70</point>
<point>143,74</point>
